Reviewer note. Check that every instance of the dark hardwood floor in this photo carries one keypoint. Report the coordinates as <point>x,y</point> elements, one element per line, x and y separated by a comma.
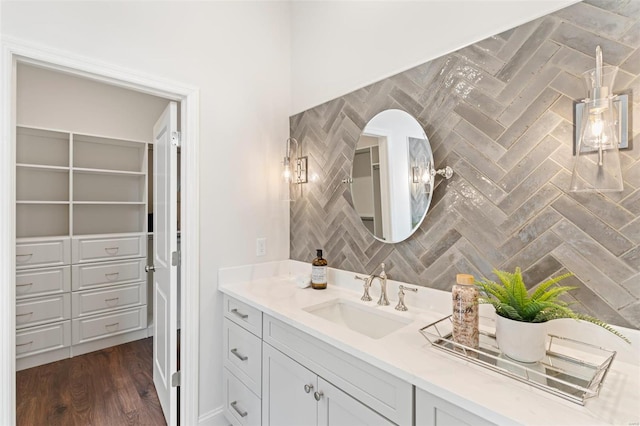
<point>113,386</point>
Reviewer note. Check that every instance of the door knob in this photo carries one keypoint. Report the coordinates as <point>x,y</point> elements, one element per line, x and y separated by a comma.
<point>149,268</point>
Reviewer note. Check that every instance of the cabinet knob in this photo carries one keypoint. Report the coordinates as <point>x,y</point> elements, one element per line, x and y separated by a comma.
<point>318,395</point>
<point>308,388</point>
<point>149,268</point>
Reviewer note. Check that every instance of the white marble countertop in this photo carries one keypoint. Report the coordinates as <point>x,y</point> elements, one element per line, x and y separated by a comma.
<point>409,356</point>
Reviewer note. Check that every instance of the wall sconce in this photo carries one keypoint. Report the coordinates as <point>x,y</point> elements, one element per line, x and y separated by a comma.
<point>601,130</point>
<point>294,168</point>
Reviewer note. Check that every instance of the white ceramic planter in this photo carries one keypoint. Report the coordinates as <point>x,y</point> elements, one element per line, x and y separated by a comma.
<point>521,341</point>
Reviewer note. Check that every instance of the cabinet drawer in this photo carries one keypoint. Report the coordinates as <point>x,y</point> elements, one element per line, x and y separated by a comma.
<point>41,282</point>
<point>32,253</point>
<point>35,340</point>
<point>241,406</point>
<point>42,310</point>
<point>97,327</point>
<point>108,299</point>
<point>383,392</point>
<point>107,274</point>
<point>95,249</point>
<point>244,315</point>
<point>243,354</point>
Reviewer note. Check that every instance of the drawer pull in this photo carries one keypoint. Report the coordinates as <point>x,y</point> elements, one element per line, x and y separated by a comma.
<point>111,251</point>
<point>240,356</point>
<point>239,411</point>
<point>23,285</point>
<point>111,300</point>
<point>25,314</point>
<point>112,276</point>
<point>115,324</point>
<point>24,344</point>
<point>21,258</point>
<point>308,388</point>
<point>318,395</point>
<point>240,314</point>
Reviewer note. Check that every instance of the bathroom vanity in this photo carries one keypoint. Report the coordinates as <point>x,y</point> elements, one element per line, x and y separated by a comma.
<point>288,360</point>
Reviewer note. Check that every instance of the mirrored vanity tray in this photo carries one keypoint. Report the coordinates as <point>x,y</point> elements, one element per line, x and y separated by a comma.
<point>571,369</point>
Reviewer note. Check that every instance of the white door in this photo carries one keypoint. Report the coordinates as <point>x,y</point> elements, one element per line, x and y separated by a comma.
<point>165,277</point>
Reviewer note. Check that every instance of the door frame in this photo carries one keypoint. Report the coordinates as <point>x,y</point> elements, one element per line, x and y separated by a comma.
<point>16,50</point>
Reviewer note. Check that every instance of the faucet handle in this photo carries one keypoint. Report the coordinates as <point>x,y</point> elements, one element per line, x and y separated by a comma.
<point>383,274</point>
<point>367,284</point>
<point>401,306</point>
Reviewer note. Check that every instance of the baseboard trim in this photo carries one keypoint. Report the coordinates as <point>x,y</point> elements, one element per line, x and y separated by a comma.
<point>214,417</point>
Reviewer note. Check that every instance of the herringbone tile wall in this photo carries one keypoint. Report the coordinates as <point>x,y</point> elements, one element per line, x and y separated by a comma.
<point>500,113</point>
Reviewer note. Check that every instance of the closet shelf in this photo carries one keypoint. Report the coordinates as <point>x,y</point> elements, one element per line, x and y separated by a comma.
<point>82,170</point>
<point>40,202</point>
<point>42,167</point>
<point>110,203</point>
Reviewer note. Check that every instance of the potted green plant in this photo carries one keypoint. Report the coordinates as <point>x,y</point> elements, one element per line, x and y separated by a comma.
<point>521,315</point>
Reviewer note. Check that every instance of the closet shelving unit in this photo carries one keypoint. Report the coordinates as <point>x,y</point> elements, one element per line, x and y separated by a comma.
<point>81,228</point>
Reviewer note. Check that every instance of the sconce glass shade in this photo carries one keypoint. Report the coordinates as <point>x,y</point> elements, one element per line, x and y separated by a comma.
<point>597,165</point>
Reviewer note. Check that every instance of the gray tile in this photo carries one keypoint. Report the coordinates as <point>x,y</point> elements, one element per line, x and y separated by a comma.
<point>522,102</point>
<point>479,120</point>
<point>603,208</point>
<point>541,271</point>
<point>480,140</point>
<point>599,256</point>
<point>632,314</point>
<point>525,51</point>
<point>480,241</point>
<point>564,108</point>
<point>632,64</point>
<point>596,20</point>
<point>564,132</point>
<point>570,86</point>
<point>529,163</point>
<point>610,291</point>
<point>486,186</point>
<point>632,230</point>
<point>477,159</point>
<point>572,61</point>
<point>481,58</point>
<point>611,239</point>
<point>476,208</point>
<point>530,208</point>
<point>475,258</point>
<point>491,45</point>
<point>517,37</point>
<point>633,285</point>
<point>478,99</point>
<point>529,232</point>
<point>528,117</point>
<point>584,41</point>
<point>529,186</point>
<point>438,248</point>
<point>631,175</point>
<point>536,250</point>
<point>632,257</point>
<point>632,36</point>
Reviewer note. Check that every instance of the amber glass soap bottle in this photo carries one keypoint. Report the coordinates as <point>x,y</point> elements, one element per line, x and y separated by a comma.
<point>319,272</point>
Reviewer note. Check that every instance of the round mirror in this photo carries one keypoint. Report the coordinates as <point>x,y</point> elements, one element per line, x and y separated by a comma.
<point>392,176</point>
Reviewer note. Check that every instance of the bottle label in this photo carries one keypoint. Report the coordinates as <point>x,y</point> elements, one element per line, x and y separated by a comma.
<point>318,275</point>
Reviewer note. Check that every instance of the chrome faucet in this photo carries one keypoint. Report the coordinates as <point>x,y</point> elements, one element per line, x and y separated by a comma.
<point>368,281</point>
<point>401,306</point>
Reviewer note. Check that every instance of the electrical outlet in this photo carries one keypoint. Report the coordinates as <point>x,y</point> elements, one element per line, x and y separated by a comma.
<point>261,247</point>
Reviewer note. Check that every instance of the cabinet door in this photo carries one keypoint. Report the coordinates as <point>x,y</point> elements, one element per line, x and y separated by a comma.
<point>434,411</point>
<point>287,391</point>
<point>336,408</point>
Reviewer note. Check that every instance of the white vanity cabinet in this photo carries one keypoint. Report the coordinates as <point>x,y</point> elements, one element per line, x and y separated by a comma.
<point>434,411</point>
<point>294,395</point>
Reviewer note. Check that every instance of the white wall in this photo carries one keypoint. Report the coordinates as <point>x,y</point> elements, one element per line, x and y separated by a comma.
<point>237,53</point>
<point>56,100</point>
<point>340,46</point>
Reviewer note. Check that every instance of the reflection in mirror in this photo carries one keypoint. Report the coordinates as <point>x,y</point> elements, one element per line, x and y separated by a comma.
<point>392,176</point>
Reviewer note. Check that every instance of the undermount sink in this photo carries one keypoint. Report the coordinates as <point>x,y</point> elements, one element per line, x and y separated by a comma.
<point>357,317</point>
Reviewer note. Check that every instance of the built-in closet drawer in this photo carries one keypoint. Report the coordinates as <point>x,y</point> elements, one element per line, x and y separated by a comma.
<point>241,406</point>
<point>42,282</point>
<point>244,315</point>
<point>44,338</point>
<point>111,324</point>
<point>96,249</point>
<point>103,274</point>
<point>42,310</point>
<point>36,253</point>
<point>108,299</point>
<point>243,354</point>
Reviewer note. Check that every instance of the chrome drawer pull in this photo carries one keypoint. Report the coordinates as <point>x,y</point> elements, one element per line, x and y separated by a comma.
<point>115,324</point>
<point>111,250</point>
<point>240,356</point>
<point>112,276</point>
<point>318,395</point>
<point>23,285</point>
<point>240,314</point>
<point>111,300</point>
<point>239,411</point>
<point>21,258</point>
<point>22,315</point>
<point>308,388</point>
